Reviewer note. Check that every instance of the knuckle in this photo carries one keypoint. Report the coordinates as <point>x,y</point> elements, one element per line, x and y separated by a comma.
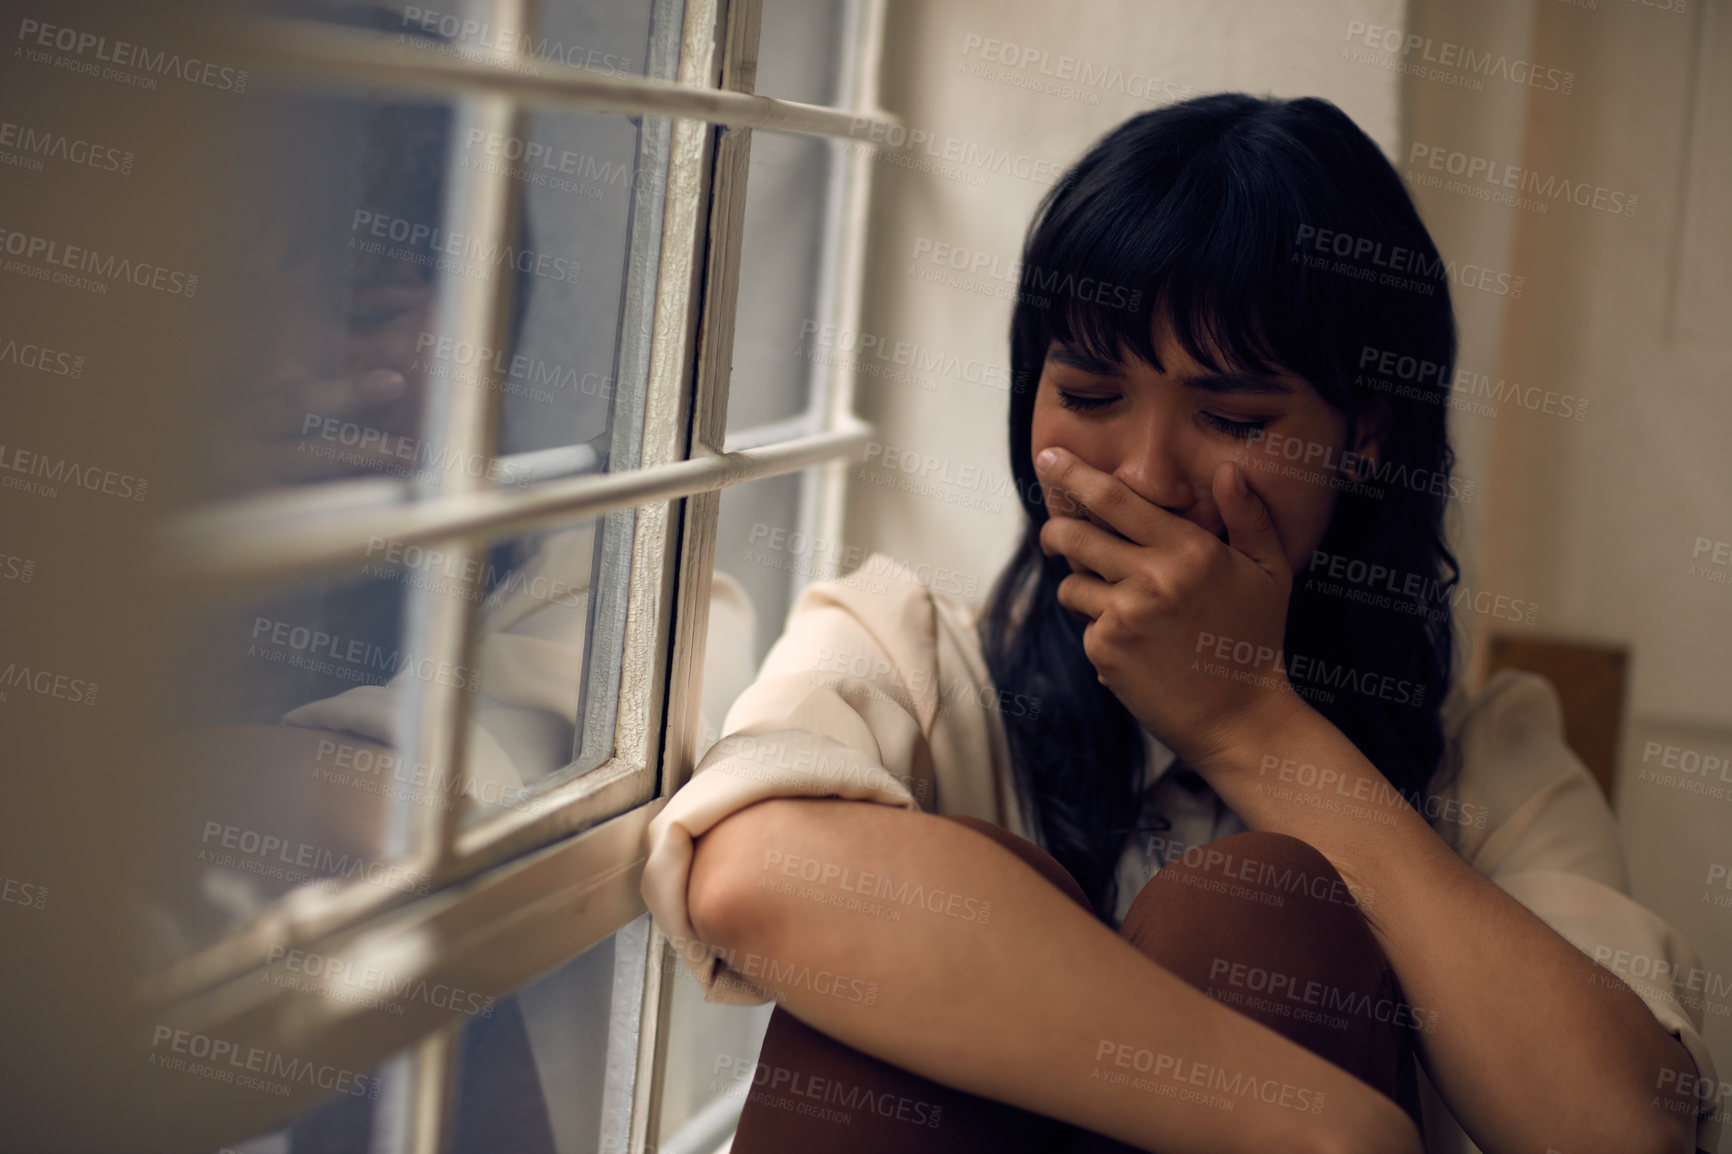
<point>1095,648</point>
<point>1196,556</point>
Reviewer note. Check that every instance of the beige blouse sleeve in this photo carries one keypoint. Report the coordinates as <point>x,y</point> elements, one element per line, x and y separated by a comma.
<point>849,703</point>
<point>1532,820</point>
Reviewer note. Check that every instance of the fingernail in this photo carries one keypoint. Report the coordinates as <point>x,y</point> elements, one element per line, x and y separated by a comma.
<point>1239,481</point>
<point>385,384</point>
<point>1047,459</point>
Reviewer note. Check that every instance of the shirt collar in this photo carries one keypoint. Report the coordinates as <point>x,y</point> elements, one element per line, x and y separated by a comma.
<point>1157,759</point>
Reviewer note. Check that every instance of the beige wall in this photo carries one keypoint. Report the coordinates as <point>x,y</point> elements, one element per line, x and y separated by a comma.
<point>1598,520</point>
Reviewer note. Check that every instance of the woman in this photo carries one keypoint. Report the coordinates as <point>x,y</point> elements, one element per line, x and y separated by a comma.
<point>1166,683</point>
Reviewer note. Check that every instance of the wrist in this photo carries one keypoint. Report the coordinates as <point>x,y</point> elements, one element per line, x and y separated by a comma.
<point>1239,745</point>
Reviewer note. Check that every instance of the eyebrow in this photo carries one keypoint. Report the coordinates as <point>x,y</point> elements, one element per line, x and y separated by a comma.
<point>1221,384</point>
<point>1078,357</point>
<point>1237,384</point>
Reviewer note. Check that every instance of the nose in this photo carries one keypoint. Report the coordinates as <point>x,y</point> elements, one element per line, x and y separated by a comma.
<point>309,346</point>
<point>1155,464</point>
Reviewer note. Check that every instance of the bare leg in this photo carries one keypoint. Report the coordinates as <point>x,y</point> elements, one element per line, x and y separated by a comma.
<point>1199,918</point>
<point>897,1112</point>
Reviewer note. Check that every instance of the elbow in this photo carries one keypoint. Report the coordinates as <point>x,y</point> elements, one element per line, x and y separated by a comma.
<point>726,905</point>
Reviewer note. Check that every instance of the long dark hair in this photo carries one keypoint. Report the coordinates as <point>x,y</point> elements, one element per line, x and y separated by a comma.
<point>1207,215</point>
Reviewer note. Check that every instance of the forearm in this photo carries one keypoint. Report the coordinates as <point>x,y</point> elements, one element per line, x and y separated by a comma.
<point>1523,1033</point>
<point>1023,1007</point>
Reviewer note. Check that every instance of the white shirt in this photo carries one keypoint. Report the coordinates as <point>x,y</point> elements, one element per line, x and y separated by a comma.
<point>1179,811</point>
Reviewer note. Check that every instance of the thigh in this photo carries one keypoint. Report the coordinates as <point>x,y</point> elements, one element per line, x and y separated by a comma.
<point>810,1092</point>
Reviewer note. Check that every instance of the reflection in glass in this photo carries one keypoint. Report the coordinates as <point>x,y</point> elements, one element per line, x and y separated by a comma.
<point>759,545</point>
<point>291,705</point>
<point>271,806</point>
<point>547,1070</point>
<point>782,337</point>
<point>332,288</point>
<point>551,1071</point>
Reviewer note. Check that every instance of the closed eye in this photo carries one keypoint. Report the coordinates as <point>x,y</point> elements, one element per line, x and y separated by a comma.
<point>375,309</point>
<point>1082,402</point>
<point>1238,430</point>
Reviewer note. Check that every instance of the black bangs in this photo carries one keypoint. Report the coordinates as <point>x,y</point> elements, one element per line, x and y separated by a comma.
<point>1225,217</point>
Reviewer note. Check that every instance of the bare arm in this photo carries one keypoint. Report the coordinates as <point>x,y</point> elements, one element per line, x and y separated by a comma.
<point>1533,1046</point>
<point>1024,1008</point>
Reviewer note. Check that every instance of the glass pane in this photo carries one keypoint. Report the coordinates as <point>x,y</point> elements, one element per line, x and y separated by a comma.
<point>753,548</point>
<point>611,37</point>
<point>800,51</point>
<point>711,1048</point>
<point>330,286</point>
<point>336,275</point>
<point>547,666</point>
<point>761,554</point>
<point>576,371</point>
<point>562,380</point>
<point>547,1070</point>
<point>341,1124</point>
<point>288,708</point>
<point>550,1072</point>
<point>782,338</point>
<point>594,187</point>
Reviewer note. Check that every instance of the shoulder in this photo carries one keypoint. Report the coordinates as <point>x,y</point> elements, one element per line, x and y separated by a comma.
<point>881,590</point>
<point>873,631</point>
<point>884,607</point>
<point>1517,795</point>
<point>1509,731</point>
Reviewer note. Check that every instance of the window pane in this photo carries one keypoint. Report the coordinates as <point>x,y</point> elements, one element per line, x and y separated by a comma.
<point>759,546</point>
<point>800,50</point>
<point>782,326</point>
<point>782,336</point>
<point>330,285</point>
<point>337,272</point>
<point>711,1050</point>
<point>551,1071</point>
<point>547,1070</point>
<point>752,547</point>
<point>288,710</point>
<point>611,37</point>
<point>342,1123</point>
<point>293,714</point>
<point>549,660</point>
<point>575,376</point>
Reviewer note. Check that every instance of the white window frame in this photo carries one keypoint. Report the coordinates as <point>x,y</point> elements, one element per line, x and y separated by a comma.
<point>519,892</point>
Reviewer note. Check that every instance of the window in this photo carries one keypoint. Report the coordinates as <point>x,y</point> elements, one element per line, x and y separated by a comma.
<point>459,530</point>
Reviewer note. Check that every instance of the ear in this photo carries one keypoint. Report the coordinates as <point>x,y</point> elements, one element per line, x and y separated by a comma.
<point>1371,429</point>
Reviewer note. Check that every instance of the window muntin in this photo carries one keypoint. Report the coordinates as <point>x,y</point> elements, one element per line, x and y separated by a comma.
<point>682,417</point>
